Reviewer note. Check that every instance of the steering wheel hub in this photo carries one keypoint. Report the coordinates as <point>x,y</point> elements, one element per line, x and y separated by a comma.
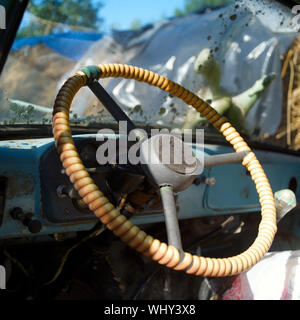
<point>167,160</point>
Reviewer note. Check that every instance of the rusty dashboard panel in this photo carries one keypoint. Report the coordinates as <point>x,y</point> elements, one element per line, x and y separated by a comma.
<point>33,184</point>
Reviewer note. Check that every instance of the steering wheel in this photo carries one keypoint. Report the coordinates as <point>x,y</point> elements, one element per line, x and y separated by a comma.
<point>170,255</point>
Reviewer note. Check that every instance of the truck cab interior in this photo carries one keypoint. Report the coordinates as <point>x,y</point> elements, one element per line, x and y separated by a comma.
<point>152,161</point>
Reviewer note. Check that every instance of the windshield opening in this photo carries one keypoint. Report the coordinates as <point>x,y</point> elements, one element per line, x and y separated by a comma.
<point>239,56</point>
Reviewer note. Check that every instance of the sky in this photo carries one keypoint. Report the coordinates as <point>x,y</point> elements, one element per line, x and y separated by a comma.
<point>121,13</point>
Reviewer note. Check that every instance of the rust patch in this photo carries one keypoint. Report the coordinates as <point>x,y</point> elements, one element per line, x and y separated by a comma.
<point>19,184</point>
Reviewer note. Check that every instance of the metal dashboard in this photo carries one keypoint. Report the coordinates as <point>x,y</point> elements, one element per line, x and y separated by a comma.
<point>30,172</point>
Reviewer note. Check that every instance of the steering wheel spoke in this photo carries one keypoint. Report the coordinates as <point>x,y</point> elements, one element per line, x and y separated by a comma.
<point>171,220</point>
<point>110,105</point>
<point>224,158</point>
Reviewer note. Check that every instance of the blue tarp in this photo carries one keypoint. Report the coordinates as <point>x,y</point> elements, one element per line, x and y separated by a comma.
<point>70,44</point>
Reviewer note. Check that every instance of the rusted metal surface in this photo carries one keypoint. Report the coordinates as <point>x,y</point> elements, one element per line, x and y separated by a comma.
<point>19,184</point>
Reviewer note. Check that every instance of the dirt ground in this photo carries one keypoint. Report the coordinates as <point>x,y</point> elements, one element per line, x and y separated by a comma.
<point>31,74</point>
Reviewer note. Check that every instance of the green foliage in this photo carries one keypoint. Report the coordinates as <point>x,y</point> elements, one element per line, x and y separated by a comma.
<point>55,15</point>
<point>21,114</point>
<point>193,5</point>
<point>136,24</point>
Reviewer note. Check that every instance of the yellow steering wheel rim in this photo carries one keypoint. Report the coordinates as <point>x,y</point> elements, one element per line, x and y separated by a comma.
<point>110,215</point>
